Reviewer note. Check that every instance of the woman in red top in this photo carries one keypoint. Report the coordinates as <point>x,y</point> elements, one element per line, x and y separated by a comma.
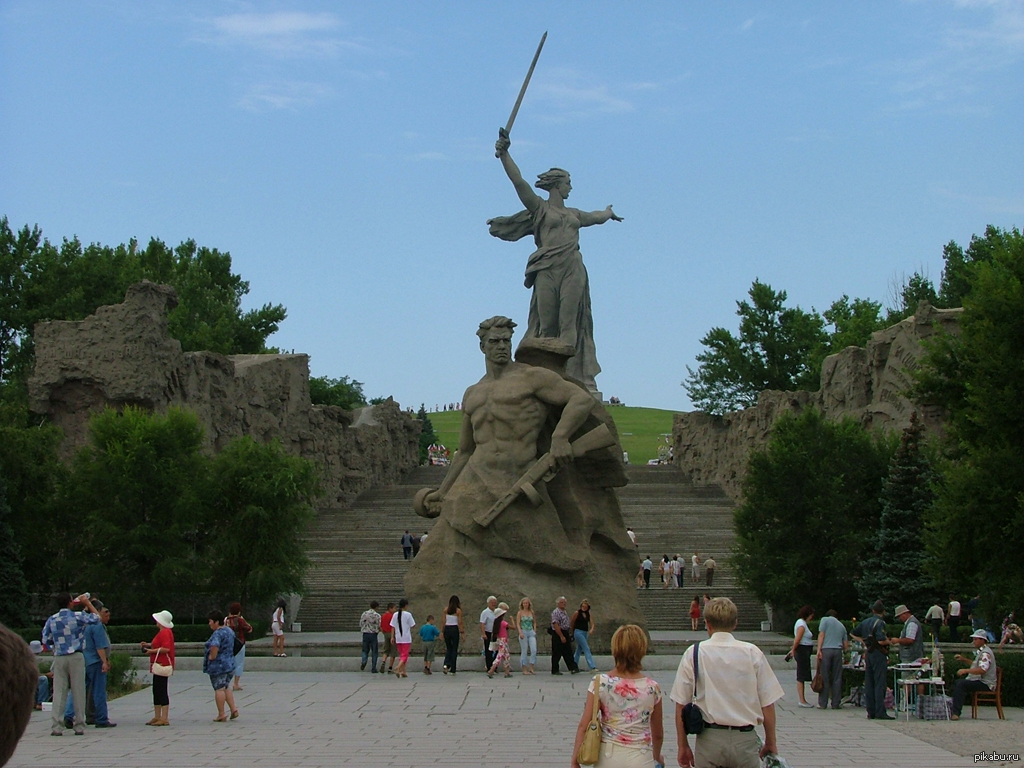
<point>695,614</point>
<point>161,650</point>
<point>241,628</point>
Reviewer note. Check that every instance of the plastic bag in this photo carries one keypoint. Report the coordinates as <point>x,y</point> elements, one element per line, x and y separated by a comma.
<point>774,761</point>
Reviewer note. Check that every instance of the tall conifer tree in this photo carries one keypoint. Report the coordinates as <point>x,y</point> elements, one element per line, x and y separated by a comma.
<point>893,570</point>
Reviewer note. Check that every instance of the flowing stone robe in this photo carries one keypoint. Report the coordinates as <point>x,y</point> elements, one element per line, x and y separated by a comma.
<point>560,305</point>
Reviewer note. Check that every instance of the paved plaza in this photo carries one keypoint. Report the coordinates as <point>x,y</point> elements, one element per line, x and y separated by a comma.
<point>313,719</point>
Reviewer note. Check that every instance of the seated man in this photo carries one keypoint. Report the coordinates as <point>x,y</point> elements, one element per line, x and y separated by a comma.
<point>43,686</point>
<point>981,675</point>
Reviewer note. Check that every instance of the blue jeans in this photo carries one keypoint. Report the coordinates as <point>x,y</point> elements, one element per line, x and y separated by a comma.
<point>43,690</point>
<point>583,648</point>
<point>95,694</point>
<point>370,646</point>
<point>528,647</point>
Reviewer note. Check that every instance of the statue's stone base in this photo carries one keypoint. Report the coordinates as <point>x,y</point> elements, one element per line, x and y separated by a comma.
<point>450,563</point>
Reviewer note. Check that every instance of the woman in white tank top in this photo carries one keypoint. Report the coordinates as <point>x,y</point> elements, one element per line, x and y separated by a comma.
<point>454,632</point>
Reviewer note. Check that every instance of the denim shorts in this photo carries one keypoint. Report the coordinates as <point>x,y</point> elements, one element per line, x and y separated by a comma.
<point>221,681</point>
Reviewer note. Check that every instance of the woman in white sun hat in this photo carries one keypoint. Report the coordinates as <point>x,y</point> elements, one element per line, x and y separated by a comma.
<point>161,652</point>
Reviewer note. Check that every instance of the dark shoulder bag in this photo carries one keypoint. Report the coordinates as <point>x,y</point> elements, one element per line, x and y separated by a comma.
<point>693,719</point>
<point>239,644</point>
<point>871,642</point>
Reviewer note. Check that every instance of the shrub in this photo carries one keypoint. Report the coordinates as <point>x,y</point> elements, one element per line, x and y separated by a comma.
<point>122,677</point>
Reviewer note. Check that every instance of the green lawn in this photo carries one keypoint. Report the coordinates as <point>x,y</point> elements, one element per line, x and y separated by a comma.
<point>641,430</point>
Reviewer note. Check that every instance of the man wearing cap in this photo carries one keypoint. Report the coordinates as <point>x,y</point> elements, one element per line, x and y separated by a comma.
<point>43,683</point>
<point>64,632</point>
<point>911,639</point>
<point>981,675</point>
<point>735,691</point>
<point>871,632</point>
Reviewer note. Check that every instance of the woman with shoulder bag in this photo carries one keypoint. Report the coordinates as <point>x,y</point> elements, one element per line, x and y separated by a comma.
<point>241,628</point>
<point>161,665</point>
<point>627,705</point>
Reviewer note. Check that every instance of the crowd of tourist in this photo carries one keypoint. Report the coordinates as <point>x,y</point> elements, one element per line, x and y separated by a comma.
<point>672,569</point>
<point>76,682</point>
<point>737,692</point>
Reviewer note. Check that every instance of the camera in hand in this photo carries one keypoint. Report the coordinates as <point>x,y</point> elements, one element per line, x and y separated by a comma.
<point>789,656</point>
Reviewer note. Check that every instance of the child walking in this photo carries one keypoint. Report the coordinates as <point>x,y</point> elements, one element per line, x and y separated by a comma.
<point>428,636</point>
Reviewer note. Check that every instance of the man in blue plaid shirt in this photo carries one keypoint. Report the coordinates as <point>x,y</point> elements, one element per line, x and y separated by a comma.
<point>64,633</point>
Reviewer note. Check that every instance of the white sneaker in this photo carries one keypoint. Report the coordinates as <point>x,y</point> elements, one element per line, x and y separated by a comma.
<point>804,705</point>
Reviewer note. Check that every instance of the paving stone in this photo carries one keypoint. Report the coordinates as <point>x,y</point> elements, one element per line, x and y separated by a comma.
<point>347,718</point>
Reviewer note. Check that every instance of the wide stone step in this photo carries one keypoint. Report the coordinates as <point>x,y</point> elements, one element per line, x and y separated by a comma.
<point>357,555</point>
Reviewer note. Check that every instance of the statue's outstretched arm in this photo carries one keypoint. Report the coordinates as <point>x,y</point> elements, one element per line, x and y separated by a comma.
<point>526,194</point>
<point>590,218</point>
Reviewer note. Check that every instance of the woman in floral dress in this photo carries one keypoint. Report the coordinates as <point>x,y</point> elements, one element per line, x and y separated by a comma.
<point>501,638</point>
<point>630,707</point>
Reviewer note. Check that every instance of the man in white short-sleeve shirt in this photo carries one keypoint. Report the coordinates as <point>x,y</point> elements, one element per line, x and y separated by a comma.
<point>736,691</point>
<point>486,626</point>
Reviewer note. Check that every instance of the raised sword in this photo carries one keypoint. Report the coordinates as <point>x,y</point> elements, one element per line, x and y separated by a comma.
<point>522,91</point>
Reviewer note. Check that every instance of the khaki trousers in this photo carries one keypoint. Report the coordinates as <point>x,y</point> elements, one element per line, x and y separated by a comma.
<point>719,748</point>
<point>68,672</point>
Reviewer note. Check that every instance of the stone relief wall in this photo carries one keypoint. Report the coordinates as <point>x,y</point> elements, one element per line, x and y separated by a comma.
<point>865,383</point>
<point>122,355</point>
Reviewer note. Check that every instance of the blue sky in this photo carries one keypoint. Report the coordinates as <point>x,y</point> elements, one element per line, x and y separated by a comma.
<point>343,154</point>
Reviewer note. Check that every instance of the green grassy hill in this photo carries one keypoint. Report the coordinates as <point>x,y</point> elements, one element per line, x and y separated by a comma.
<point>641,430</point>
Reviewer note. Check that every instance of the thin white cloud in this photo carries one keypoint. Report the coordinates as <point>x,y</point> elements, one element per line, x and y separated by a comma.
<point>948,77</point>
<point>289,34</point>
<point>431,156</point>
<point>1005,29</point>
<point>748,24</point>
<point>282,94</point>
<point>567,94</point>
<point>985,203</point>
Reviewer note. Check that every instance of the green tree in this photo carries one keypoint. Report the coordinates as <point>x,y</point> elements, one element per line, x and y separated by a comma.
<point>344,392</point>
<point>910,294</point>
<point>136,494</point>
<point>958,274</point>
<point>14,606</point>
<point>777,348</point>
<point>978,378</point>
<point>260,499</point>
<point>894,566</point>
<point>31,471</point>
<point>43,282</point>
<point>852,323</point>
<point>427,435</point>
<point>810,507</point>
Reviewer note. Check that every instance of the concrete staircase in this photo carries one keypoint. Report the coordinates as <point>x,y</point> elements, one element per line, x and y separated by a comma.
<point>357,553</point>
<point>671,516</point>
